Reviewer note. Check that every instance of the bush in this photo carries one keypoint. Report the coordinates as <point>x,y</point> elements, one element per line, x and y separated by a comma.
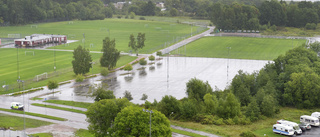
<point>147,105</point>
<point>119,16</point>
<point>132,15</point>
<point>144,97</point>
<point>247,134</point>
<point>79,78</point>
<point>128,95</point>
<point>208,119</point>
<point>273,28</point>
<point>151,58</point>
<point>104,71</point>
<point>229,121</point>
<point>159,53</point>
<point>310,26</point>
<point>142,18</point>
<point>142,61</point>
<point>263,27</point>
<point>219,122</point>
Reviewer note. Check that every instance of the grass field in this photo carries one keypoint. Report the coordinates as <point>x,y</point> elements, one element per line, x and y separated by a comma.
<point>42,135</point>
<point>34,114</point>
<point>95,31</point>
<point>59,108</point>
<point>241,47</point>
<point>259,128</point>
<point>16,123</point>
<point>42,61</point>
<point>70,103</point>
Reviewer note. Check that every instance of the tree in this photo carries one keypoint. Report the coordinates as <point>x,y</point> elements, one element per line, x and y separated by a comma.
<point>52,84</point>
<point>110,54</point>
<point>144,97</point>
<point>100,94</point>
<point>169,105</point>
<point>211,103</point>
<point>82,60</point>
<point>133,121</point>
<point>152,58</point>
<point>101,115</point>
<point>197,89</point>
<point>127,95</point>
<point>228,107</point>
<point>139,44</point>
<point>268,106</point>
<point>127,67</point>
<point>253,110</point>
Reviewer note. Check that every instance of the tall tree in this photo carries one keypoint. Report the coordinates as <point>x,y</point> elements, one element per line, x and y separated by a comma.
<point>82,60</point>
<point>110,54</point>
<point>52,84</point>
<point>133,121</point>
<point>139,44</point>
<point>101,115</point>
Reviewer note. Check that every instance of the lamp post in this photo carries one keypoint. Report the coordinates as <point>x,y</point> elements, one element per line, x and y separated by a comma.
<point>149,111</point>
<point>228,66</point>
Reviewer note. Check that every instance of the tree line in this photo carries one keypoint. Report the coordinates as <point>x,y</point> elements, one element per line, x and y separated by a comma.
<point>240,16</point>
<point>13,12</point>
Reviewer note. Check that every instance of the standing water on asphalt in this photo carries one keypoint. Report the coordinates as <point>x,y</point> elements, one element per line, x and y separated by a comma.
<point>163,78</point>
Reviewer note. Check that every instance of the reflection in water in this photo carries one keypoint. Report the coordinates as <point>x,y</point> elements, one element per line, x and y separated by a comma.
<point>128,78</point>
<point>81,90</point>
<point>142,73</point>
<point>152,68</point>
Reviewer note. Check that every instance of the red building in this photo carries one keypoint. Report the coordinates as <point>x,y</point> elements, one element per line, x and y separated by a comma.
<point>40,39</point>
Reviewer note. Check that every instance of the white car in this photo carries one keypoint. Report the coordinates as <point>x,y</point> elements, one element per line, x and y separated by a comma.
<point>17,105</point>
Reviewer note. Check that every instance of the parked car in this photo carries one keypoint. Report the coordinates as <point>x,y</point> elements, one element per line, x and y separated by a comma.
<point>304,126</point>
<point>17,105</point>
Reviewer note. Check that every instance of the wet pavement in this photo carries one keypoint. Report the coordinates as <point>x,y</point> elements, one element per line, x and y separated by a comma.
<point>314,132</point>
<point>165,77</point>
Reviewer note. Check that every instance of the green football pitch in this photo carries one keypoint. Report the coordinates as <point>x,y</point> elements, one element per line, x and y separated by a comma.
<point>239,47</point>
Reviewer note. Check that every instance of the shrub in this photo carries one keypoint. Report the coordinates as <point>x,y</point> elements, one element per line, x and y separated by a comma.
<point>126,17</point>
<point>142,61</point>
<point>159,53</point>
<point>229,121</point>
<point>79,78</point>
<point>147,105</point>
<point>273,28</point>
<point>142,18</point>
<point>310,26</point>
<point>104,71</point>
<point>151,58</point>
<point>119,16</point>
<point>132,15</point>
<point>219,122</point>
<point>247,134</point>
<point>128,95</point>
<point>263,27</point>
<point>208,119</point>
<point>144,97</point>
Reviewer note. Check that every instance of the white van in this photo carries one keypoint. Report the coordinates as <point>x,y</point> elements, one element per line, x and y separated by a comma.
<point>316,114</point>
<point>283,129</point>
<point>17,105</point>
<point>294,125</point>
<point>313,121</point>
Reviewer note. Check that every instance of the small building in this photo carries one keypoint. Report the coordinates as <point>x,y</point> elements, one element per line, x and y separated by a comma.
<point>40,39</point>
<point>160,5</point>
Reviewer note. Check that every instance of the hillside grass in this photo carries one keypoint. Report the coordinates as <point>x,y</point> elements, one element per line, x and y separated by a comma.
<point>241,47</point>
<point>259,128</point>
<point>41,62</point>
<point>17,123</point>
<point>59,108</point>
<point>291,31</point>
<point>157,32</point>
<point>70,103</point>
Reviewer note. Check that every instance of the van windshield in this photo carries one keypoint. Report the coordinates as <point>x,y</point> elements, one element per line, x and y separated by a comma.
<point>296,128</point>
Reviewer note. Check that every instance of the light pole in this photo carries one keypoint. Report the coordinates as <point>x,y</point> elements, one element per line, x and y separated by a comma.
<point>149,111</point>
<point>228,67</point>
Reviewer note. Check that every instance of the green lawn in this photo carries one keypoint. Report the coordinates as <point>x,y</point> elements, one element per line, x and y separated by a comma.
<point>70,103</point>
<point>42,135</point>
<point>241,47</point>
<point>41,62</point>
<point>157,32</point>
<point>60,108</point>
<point>16,123</point>
<point>34,114</point>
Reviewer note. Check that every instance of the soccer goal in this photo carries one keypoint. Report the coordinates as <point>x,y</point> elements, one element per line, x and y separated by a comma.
<point>91,45</point>
<point>34,26</point>
<point>13,35</point>
<point>41,76</point>
<point>30,52</point>
<point>70,22</point>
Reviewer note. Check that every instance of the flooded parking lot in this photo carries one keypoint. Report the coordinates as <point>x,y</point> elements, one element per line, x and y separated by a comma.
<point>167,76</point>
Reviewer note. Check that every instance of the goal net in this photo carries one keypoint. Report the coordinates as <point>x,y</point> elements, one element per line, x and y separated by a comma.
<point>41,76</point>
<point>13,35</point>
<point>70,22</point>
<point>30,52</point>
<point>34,26</point>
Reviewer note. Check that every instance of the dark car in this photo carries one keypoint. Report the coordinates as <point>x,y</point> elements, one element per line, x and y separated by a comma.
<point>304,126</point>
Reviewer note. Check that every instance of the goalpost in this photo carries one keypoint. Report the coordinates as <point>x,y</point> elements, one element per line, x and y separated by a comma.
<point>13,35</point>
<point>34,26</point>
<point>25,53</point>
<point>41,76</point>
<point>70,22</point>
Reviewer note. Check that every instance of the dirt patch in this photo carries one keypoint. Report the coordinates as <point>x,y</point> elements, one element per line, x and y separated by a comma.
<point>57,130</point>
